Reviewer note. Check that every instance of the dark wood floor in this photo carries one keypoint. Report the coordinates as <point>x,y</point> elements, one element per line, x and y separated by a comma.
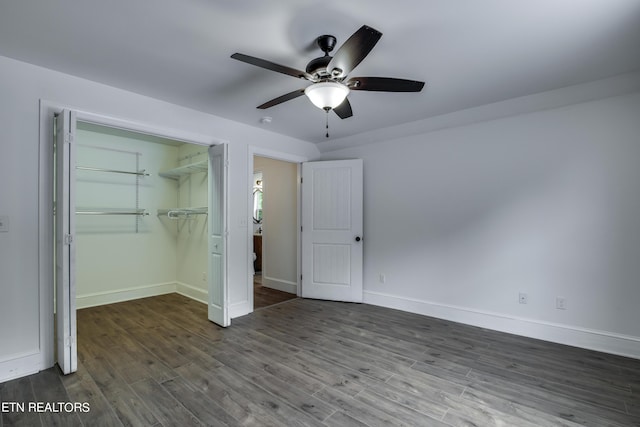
<point>159,362</point>
<point>264,297</point>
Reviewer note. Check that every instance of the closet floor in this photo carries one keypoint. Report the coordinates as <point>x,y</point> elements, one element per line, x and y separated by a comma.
<point>159,362</point>
<point>264,297</point>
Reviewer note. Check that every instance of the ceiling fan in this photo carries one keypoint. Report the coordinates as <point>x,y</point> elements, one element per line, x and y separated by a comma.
<point>329,75</point>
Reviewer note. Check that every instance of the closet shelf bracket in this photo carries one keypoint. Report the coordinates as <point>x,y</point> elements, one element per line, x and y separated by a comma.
<point>182,213</point>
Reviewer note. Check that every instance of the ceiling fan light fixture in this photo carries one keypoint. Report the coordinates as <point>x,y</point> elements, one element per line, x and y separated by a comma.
<point>327,95</point>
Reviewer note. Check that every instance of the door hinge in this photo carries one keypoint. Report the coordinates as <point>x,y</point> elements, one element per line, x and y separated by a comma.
<point>68,239</point>
<point>68,138</point>
<point>301,180</point>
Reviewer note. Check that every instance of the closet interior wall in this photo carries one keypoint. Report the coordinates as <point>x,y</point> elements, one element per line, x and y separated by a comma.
<point>124,257</point>
<point>192,237</point>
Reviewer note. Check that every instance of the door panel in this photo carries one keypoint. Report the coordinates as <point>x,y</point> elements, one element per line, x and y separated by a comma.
<point>332,230</point>
<point>218,288</point>
<point>65,251</point>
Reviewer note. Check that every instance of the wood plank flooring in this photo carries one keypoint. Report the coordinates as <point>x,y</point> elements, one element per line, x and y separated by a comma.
<point>264,296</point>
<point>159,362</point>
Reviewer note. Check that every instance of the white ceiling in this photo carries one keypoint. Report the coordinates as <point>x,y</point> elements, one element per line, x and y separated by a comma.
<point>470,52</point>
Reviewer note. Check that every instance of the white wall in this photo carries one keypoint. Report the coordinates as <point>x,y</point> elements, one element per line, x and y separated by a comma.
<point>461,220</point>
<point>193,243</point>
<point>280,223</point>
<point>25,270</point>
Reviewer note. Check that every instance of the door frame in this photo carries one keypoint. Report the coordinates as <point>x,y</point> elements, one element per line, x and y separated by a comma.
<point>46,226</point>
<point>286,157</point>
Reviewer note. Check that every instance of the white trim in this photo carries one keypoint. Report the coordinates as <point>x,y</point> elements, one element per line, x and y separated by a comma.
<point>623,345</point>
<point>16,366</point>
<point>280,285</point>
<point>128,294</point>
<point>138,127</point>
<point>192,292</point>
<point>45,238</point>
<point>277,155</point>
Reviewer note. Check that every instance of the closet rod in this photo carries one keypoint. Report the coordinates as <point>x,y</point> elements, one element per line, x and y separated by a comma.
<point>86,168</point>
<point>138,213</point>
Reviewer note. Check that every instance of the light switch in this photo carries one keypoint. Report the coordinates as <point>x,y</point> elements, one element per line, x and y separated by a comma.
<point>4,223</point>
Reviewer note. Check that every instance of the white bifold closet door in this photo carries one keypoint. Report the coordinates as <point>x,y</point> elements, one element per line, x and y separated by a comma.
<point>218,288</point>
<point>65,243</point>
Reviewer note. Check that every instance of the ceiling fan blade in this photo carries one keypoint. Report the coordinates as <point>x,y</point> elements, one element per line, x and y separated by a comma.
<point>279,100</point>
<point>353,51</point>
<point>384,84</point>
<point>272,66</point>
<point>344,110</point>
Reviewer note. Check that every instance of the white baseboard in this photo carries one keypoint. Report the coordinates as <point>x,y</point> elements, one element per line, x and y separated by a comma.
<point>192,292</point>
<point>280,285</point>
<point>608,342</point>
<point>17,366</point>
<point>102,298</point>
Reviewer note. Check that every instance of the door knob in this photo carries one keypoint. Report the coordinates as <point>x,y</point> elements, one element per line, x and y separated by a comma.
<point>358,238</point>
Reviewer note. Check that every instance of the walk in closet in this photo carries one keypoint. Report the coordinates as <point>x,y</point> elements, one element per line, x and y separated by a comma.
<point>141,216</point>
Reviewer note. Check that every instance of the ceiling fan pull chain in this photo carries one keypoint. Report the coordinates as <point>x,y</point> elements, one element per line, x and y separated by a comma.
<point>327,125</point>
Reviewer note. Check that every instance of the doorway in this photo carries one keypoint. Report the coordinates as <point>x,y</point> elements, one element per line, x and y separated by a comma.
<point>129,205</point>
<point>275,194</point>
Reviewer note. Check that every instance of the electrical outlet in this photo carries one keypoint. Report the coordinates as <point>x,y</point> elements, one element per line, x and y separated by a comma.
<point>382,278</point>
<point>561,303</point>
<point>523,298</point>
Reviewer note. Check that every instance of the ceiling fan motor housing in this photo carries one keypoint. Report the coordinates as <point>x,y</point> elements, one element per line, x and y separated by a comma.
<point>318,66</point>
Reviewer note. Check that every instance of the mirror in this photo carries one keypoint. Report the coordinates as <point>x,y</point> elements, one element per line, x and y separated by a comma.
<point>257,198</point>
<point>257,206</point>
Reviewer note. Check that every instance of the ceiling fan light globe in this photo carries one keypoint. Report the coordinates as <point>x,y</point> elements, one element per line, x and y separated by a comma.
<point>327,95</point>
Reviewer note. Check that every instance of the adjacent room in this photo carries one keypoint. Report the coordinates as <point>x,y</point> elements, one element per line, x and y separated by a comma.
<point>313,213</point>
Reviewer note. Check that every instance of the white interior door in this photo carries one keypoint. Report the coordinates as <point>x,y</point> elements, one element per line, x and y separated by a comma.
<point>65,245</point>
<point>218,288</point>
<point>332,230</point>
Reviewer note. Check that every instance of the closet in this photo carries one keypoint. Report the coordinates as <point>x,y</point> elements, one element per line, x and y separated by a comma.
<point>141,216</point>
